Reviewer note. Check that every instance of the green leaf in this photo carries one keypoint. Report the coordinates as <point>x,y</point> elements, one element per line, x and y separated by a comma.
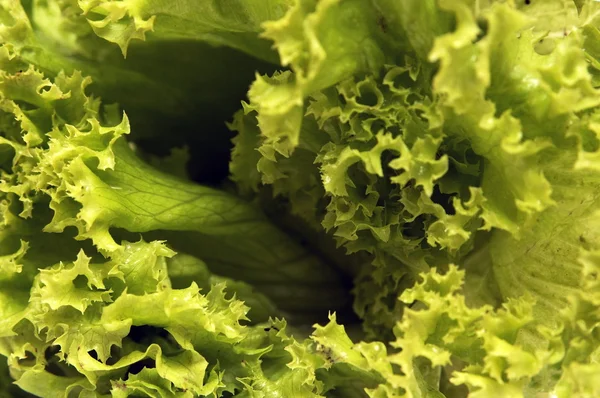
<point>318,59</point>
<point>184,269</point>
<point>60,286</point>
<point>95,182</point>
<point>54,36</point>
<point>236,24</point>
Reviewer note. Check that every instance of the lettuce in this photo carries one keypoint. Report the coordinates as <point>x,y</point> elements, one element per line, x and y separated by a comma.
<point>412,207</point>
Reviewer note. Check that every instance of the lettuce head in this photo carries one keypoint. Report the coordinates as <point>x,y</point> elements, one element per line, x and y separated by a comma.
<point>300,198</point>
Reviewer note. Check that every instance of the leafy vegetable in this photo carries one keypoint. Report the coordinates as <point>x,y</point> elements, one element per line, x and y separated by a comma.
<point>434,165</point>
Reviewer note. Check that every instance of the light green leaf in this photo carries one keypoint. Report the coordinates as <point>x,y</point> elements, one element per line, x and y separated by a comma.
<point>235,24</point>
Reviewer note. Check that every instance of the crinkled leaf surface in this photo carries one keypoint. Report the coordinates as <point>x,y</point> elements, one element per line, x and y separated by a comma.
<point>450,147</point>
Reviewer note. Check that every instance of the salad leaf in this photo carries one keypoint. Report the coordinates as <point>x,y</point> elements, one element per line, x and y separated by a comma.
<point>95,182</point>
<point>55,36</point>
<point>431,164</point>
<point>233,23</point>
<point>472,130</point>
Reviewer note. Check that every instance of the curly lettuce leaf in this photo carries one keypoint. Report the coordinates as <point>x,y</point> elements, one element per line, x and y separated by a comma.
<point>133,332</point>
<point>303,37</point>
<point>459,148</point>
<point>236,24</point>
<point>84,314</point>
<point>62,336</point>
<point>95,182</point>
<point>184,269</point>
<point>485,350</point>
<point>474,142</point>
<point>190,97</point>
